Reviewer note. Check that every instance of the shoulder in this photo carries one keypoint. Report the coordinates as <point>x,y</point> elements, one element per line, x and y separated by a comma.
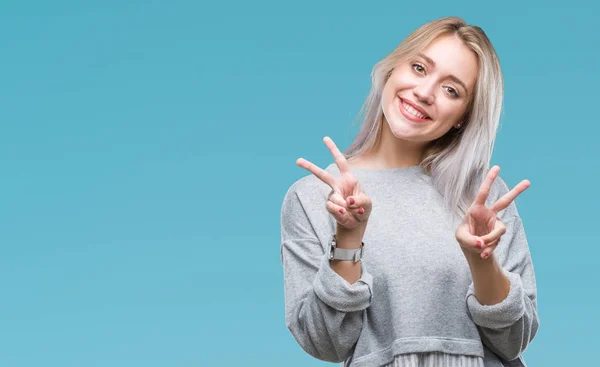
<point>303,211</point>
<point>308,190</point>
<point>306,185</point>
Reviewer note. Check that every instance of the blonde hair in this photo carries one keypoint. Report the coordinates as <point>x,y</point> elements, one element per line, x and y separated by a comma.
<point>458,161</point>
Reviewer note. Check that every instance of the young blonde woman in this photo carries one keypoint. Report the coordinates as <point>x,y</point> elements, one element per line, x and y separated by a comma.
<point>408,250</point>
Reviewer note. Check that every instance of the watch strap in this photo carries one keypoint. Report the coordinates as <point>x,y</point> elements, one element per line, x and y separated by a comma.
<point>336,253</point>
<point>347,254</point>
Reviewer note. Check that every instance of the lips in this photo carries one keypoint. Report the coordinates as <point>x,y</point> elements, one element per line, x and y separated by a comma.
<point>408,112</point>
<point>414,105</point>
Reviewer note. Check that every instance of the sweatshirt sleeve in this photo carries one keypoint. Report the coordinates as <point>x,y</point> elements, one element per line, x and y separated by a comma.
<point>323,311</point>
<point>508,327</point>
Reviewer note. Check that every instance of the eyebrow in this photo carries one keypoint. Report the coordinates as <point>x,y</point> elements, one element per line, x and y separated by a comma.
<point>451,77</point>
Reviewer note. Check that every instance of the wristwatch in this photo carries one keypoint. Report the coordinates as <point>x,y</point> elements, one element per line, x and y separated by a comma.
<point>336,253</point>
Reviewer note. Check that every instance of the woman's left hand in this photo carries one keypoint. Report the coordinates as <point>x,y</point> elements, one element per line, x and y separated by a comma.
<point>480,230</point>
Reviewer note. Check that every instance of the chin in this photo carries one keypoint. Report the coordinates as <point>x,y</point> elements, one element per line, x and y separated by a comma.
<point>402,127</point>
<point>402,130</point>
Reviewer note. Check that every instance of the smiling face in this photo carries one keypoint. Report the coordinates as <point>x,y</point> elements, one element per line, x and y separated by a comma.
<point>426,95</point>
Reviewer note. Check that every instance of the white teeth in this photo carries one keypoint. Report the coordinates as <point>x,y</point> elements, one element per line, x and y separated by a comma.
<point>409,108</point>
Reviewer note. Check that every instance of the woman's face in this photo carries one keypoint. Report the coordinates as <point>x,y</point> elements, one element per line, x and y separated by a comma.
<point>425,96</point>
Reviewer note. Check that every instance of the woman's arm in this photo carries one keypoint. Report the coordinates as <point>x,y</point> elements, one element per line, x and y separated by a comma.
<point>502,300</point>
<point>323,311</point>
<point>491,285</point>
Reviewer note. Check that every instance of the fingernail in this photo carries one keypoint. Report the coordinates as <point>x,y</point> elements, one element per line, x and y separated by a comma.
<point>351,200</point>
<point>479,243</point>
<point>361,211</point>
<point>342,211</point>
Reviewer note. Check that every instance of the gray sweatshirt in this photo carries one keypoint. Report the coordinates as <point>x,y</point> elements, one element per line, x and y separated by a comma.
<point>416,292</point>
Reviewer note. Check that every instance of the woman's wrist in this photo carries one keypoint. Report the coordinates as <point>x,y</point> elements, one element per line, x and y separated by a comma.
<point>350,238</point>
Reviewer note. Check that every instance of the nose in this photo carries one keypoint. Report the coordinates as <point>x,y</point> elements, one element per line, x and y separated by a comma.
<point>425,92</point>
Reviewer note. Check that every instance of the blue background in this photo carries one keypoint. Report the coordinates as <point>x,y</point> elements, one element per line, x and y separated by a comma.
<point>145,148</point>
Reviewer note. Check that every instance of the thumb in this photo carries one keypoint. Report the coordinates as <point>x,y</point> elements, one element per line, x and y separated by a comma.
<point>466,239</point>
<point>359,200</point>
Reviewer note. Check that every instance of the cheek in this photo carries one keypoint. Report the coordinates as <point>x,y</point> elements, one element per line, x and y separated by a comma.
<point>453,111</point>
<point>388,94</point>
<point>397,79</point>
<point>396,82</point>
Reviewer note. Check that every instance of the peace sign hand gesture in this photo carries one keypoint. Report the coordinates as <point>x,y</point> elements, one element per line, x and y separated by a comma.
<point>480,230</point>
<point>347,201</point>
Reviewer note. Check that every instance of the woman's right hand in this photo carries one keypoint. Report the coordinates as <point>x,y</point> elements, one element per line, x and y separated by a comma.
<point>347,202</point>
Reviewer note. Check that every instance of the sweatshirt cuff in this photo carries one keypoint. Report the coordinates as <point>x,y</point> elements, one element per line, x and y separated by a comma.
<point>336,292</point>
<point>500,315</point>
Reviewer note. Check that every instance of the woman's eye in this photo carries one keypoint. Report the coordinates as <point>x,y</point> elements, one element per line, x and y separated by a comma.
<point>452,92</point>
<point>418,68</point>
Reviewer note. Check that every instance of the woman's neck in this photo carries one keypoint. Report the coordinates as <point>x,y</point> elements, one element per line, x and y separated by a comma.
<point>390,152</point>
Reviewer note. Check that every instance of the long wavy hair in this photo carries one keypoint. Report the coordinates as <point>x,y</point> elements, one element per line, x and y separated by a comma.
<point>459,160</point>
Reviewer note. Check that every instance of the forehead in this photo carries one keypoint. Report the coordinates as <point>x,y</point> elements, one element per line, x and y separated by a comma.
<point>453,57</point>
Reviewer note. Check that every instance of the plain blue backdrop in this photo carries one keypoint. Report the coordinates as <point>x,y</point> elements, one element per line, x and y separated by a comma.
<point>146,146</point>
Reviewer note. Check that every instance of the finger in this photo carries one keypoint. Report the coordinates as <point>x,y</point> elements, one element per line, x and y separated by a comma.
<point>362,207</point>
<point>339,213</point>
<point>337,198</point>
<point>338,157</point>
<point>335,210</point>
<point>489,249</point>
<point>510,196</point>
<point>360,214</point>
<point>321,174</point>
<point>486,185</point>
<point>465,237</point>
<point>495,234</point>
<point>360,200</point>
